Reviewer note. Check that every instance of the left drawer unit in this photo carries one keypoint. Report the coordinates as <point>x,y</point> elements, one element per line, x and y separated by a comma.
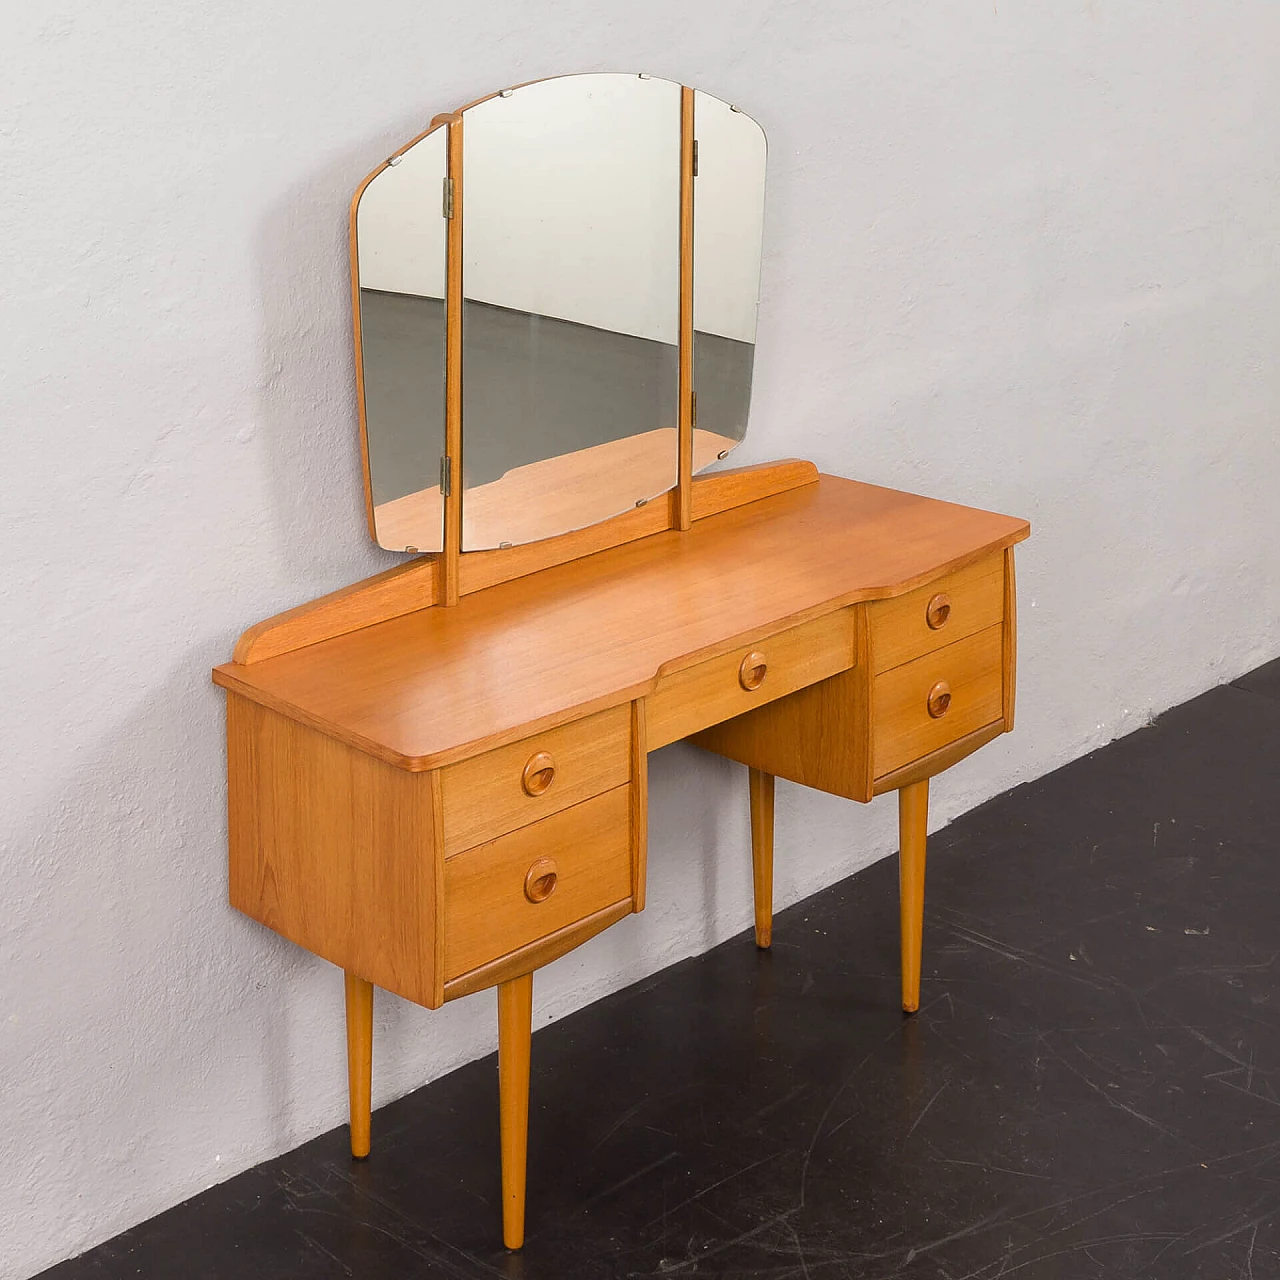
<point>544,843</point>
<point>438,883</point>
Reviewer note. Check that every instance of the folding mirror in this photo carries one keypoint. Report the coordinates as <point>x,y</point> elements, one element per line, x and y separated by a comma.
<point>399,248</point>
<point>555,310</point>
<point>728,229</point>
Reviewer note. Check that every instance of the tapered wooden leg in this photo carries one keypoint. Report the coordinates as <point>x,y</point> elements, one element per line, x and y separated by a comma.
<point>761,788</point>
<point>515,1026</point>
<point>359,1060</point>
<point>913,821</point>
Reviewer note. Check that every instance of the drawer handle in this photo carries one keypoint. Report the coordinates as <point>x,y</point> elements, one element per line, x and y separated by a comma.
<point>540,880</point>
<point>939,700</point>
<point>937,611</point>
<point>752,672</point>
<point>538,774</point>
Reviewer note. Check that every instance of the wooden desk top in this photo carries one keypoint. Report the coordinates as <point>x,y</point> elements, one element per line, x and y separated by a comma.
<point>441,684</point>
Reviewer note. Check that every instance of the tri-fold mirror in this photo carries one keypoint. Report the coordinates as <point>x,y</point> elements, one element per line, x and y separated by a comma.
<point>555,307</point>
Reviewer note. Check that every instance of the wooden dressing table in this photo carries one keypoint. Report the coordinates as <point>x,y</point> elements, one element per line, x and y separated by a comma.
<point>437,777</point>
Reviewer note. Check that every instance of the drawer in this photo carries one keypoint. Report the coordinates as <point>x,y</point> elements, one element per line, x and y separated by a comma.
<point>719,688</point>
<point>936,700</point>
<point>946,610</point>
<point>525,885</point>
<point>501,790</point>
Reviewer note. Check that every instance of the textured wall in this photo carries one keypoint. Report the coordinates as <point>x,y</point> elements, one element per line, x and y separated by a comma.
<point>1017,255</point>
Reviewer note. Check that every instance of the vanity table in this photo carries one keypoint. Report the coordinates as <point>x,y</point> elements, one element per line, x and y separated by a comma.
<point>437,777</point>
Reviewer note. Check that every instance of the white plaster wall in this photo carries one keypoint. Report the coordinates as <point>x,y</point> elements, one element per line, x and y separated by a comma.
<point>1019,255</point>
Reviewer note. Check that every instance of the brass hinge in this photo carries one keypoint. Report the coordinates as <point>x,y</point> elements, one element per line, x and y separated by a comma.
<point>448,197</point>
<point>693,409</point>
<point>446,475</point>
<point>695,157</point>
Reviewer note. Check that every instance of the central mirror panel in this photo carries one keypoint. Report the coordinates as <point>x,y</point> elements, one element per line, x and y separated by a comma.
<point>571,283</point>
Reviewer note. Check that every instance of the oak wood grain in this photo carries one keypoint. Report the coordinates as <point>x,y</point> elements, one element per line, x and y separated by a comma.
<point>486,912</point>
<point>515,1027</point>
<point>334,849</point>
<point>484,796</point>
<point>901,630</point>
<point>903,726</point>
<point>1010,641</point>
<point>760,791</point>
<point>639,804</point>
<point>913,823</point>
<point>435,686</point>
<point>936,762</point>
<point>706,693</point>
<point>542,951</point>
<point>359,1002</point>
<point>818,736</point>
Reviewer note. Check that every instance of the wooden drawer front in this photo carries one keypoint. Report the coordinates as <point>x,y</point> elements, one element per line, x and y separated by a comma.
<point>903,728</point>
<point>947,610</point>
<point>501,790</point>
<point>491,892</point>
<point>715,690</point>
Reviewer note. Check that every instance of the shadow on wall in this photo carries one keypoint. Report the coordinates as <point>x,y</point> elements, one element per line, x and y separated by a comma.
<point>306,414</point>
<point>190,1013</point>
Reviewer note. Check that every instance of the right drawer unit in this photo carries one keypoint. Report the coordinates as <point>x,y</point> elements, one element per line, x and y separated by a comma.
<point>938,664</point>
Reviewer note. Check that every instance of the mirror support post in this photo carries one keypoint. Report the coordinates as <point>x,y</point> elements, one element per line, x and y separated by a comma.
<point>449,562</point>
<point>682,514</point>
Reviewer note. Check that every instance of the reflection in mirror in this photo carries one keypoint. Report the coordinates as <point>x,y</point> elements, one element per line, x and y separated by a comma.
<point>400,254</point>
<point>728,228</point>
<point>571,229</point>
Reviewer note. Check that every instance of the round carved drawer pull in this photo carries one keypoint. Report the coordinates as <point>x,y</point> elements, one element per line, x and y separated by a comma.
<point>752,672</point>
<point>939,699</point>
<point>540,880</point>
<point>938,610</point>
<point>538,774</point>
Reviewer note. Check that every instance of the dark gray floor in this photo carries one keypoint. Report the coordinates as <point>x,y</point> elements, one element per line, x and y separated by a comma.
<point>534,387</point>
<point>1091,1087</point>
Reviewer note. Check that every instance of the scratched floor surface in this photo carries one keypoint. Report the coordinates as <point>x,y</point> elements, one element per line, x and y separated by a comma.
<point>1091,1087</point>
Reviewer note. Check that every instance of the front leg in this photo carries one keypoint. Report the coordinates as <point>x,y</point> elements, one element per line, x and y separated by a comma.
<point>359,1060</point>
<point>515,1027</point>
<point>913,822</point>
<point>760,785</point>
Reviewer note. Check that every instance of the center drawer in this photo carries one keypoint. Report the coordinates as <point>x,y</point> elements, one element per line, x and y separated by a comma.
<point>710,692</point>
<point>528,884</point>
<point>528,780</point>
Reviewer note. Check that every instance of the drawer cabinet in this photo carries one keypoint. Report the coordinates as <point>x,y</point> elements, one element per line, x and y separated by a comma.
<point>933,680</point>
<point>529,780</point>
<point>925,705</point>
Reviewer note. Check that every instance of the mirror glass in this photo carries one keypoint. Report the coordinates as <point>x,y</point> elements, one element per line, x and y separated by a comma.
<point>728,228</point>
<point>571,279</point>
<point>400,266</point>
